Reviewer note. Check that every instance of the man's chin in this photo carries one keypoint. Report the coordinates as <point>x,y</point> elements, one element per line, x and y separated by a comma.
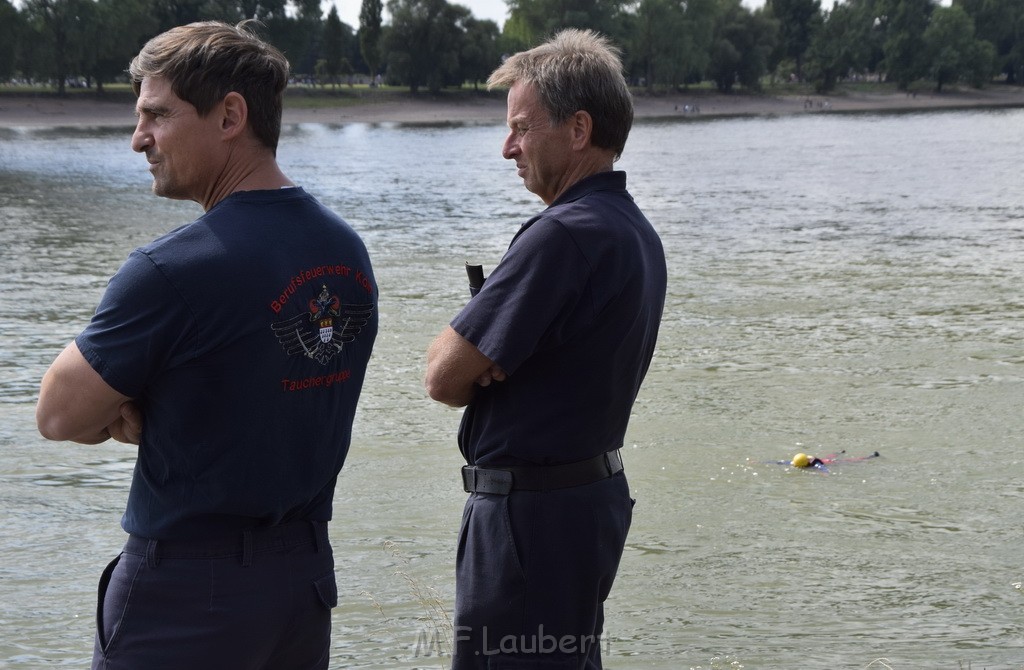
<point>167,191</point>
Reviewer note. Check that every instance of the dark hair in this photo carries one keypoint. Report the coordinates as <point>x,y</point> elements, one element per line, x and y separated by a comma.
<point>576,70</point>
<point>207,60</point>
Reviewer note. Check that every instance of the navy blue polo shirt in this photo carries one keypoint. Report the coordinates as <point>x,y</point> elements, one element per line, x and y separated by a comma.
<point>571,313</point>
<point>244,337</point>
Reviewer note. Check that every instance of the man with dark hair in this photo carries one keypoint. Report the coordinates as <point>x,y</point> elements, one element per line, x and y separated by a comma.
<point>232,351</point>
<point>548,357</point>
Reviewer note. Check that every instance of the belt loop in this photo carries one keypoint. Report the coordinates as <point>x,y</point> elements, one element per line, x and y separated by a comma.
<point>152,560</point>
<point>246,548</point>
<point>318,529</point>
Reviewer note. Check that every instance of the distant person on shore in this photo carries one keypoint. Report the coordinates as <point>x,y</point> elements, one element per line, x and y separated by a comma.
<point>548,357</point>
<point>232,351</point>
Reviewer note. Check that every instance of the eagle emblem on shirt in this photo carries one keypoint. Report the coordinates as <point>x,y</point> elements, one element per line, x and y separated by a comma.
<point>322,332</point>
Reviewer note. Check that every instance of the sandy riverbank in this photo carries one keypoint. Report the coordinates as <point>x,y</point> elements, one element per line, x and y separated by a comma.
<point>35,112</point>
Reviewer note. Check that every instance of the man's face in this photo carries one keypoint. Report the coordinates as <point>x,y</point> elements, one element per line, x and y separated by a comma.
<point>180,146</point>
<point>542,152</point>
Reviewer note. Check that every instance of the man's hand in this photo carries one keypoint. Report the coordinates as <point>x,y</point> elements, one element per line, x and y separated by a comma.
<point>127,428</point>
<point>492,374</point>
<point>455,368</point>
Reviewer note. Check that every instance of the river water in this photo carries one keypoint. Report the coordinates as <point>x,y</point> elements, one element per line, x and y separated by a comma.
<point>836,284</point>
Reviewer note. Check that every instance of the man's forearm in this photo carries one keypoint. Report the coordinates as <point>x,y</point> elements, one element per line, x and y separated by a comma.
<point>455,368</point>
<point>75,404</point>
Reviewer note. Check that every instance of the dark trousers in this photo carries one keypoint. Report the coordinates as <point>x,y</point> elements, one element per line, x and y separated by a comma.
<point>533,570</point>
<point>258,600</point>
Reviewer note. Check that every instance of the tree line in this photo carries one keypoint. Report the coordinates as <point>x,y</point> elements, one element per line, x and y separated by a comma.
<point>434,44</point>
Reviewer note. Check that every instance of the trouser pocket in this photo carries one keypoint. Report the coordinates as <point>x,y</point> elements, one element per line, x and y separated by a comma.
<point>113,600</point>
<point>103,634</point>
<point>327,590</point>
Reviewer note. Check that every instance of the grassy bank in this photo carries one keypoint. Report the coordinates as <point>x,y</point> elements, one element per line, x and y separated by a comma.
<point>306,96</point>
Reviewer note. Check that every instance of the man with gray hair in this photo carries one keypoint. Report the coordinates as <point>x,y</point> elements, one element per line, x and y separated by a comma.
<point>548,357</point>
<point>232,351</point>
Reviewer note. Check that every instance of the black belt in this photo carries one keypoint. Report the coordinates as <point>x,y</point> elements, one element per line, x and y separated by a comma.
<point>540,477</point>
<point>242,543</point>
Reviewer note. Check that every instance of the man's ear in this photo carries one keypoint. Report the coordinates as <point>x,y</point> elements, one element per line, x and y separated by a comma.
<point>234,115</point>
<point>582,126</point>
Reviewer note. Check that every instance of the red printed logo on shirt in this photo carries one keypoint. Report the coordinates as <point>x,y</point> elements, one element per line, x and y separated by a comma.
<point>322,332</point>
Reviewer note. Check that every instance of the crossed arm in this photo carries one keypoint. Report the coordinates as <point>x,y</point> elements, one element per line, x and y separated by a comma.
<point>76,404</point>
<point>455,368</point>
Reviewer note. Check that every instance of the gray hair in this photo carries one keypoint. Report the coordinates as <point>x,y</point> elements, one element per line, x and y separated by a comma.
<point>576,70</point>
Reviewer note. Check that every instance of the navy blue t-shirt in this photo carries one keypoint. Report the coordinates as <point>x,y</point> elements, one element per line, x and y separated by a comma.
<point>571,313</point>
<point>244,337</point>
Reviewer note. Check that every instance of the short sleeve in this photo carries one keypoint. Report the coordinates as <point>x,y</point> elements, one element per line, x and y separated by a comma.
<point>141,325</point>
<point>534,299</point>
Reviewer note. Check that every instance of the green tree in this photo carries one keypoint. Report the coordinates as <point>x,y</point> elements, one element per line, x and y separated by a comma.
<point>841,46</point>
<point>536,19</point>
<point>904,45</point>
<point>34,57</point>
<point>982,63</point>
<point>1000,22</point>
<point>298,37</point>
<point>370,31</point>
<point>424,43</point>
<point>742,43</point>
<point>308,9</point>
<point>952,52</point>
<point>670,41</point>
<point>875,13</point>
<point>120,29</point>
<point>659,42</point>
<point>171,13</point>
<point>1013,58</point>
<point>799,20</point>
<point>62,25</point>
<point>516,34</point>
<point>233,11</point>
<point>333,46</point>
<point>261,10</point>
<point>479,55</point>
<point>699,24</point>
<point>12,30</point>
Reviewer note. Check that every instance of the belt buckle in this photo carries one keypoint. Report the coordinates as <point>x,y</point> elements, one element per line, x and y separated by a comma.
<point>613,461</point>
<point>486,480</point>
<point>468,478</point>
